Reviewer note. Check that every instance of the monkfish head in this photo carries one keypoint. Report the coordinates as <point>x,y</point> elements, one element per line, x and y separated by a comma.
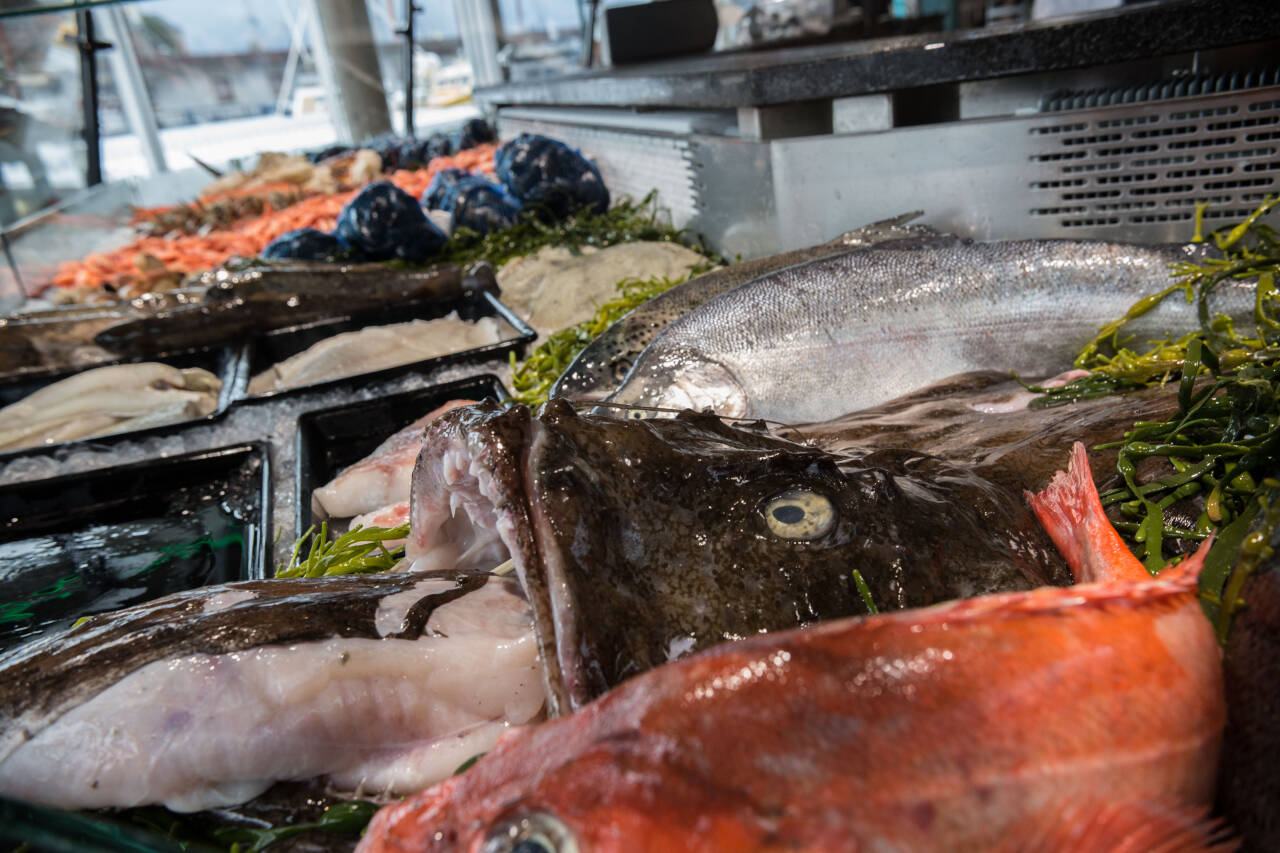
<point>637,542</point>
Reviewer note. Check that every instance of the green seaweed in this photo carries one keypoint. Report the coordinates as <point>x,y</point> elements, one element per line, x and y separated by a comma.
<point>627,221</point>
<point>361,550</point>
<point>532,379</point>
<point>1222,444</point>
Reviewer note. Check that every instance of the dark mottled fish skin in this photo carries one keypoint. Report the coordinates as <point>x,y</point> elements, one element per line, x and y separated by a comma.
<point>603,364</point>
<point>637,542</point>
<point>814,341</point>
<point>40,680</point>
<point>1249,788</point>
<point>260,298</point>
<point>963,419</point>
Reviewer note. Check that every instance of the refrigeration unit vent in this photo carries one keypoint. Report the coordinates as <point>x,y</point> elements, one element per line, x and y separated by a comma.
<point>1152,163</point>
<point>1185,86</point>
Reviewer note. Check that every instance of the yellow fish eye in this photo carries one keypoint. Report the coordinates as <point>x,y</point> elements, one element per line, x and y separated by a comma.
<point>799,514</point>
<point>534,832</point>
<point>640,414</point>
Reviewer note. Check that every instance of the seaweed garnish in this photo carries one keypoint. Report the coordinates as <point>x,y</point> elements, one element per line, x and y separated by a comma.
<point>532,379</point>
<point>1224,442</point>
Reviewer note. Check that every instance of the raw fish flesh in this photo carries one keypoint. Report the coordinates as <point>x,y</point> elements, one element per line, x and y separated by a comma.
<point>117,398</point>
<point>377,348</point>
<point>382,683</point>
<point>814,341</point>
<point>1086,718</point>
<point>381,478</point>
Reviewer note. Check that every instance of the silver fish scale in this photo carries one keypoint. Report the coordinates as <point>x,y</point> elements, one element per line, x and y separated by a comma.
<point>818,340</point>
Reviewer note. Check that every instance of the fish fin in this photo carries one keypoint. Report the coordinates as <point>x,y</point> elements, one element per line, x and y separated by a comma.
<point>1071,513</point>
<point>895,233</point>
<point>1133,827</point>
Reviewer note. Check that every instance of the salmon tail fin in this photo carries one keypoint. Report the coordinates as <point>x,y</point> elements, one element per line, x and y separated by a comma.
<point>1071,513</point>
<point>1121,828</point>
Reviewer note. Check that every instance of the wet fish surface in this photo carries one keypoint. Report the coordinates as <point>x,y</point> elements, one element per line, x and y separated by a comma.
<point>814,341</point>
<point>1003,722</point>
<point>638,542</point>
<point>238,303</point>
<point>205,698</point>
<point>604,363</point>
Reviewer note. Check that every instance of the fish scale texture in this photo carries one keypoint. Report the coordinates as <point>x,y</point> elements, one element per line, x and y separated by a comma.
<point>842,333</point>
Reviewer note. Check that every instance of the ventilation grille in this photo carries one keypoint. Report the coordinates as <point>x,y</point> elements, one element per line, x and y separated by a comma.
<point>1189,86</point>
<point>1155,167</point>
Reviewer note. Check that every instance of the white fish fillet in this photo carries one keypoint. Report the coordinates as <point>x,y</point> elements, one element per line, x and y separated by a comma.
<point>377,348</point>
<point>109,399</point>
<point>388,715</point>
<point>383,477</point>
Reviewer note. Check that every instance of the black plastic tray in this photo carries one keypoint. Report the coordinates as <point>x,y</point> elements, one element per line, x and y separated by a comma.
<point>87,528</point>
<point>225,362</point>
<point>273,347</point>
<point>329,440</point>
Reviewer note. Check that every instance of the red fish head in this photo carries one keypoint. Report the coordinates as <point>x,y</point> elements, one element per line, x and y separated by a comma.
<point>621,794</point>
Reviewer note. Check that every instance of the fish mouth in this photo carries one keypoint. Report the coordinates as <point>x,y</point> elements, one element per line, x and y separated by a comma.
<point>471,510</point>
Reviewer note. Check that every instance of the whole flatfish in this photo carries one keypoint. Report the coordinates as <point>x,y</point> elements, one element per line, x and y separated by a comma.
<point>639,542</point>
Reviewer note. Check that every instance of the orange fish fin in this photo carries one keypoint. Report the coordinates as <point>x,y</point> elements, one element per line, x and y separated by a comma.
<point>1071,513</point>
<point>1121,828</point>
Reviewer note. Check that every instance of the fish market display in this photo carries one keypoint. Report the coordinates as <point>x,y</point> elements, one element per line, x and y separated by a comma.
<point>117,398</point>
<point>638,542</point>
<point>383,477</point>
<point>814,341</point>
<point>555,288</point>
<point>126,272</point>
<point>204,698</point>
<point>603,364</point>
<point>1006,722</point>
<point>377,348</point>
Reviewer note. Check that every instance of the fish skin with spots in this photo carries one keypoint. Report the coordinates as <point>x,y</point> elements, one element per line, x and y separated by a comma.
<point>635,541</point>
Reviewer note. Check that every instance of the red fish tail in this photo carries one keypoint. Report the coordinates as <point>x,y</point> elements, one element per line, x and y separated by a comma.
<point>1135,827</point>
<point>1071,513</point>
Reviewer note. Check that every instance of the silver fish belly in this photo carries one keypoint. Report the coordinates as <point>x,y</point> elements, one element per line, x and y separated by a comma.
<point>814,341</point>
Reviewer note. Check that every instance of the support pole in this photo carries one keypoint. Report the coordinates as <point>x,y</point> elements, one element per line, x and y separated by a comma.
<point>407,33</point>
<point>132,88</point>
<point>348,63</point>
<point>478,28</point>
<point>89,126</point>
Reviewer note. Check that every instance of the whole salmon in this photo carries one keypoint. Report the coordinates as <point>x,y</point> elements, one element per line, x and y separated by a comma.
<point>814,341</point>
<point>603,364</point>
<point>998,722</point>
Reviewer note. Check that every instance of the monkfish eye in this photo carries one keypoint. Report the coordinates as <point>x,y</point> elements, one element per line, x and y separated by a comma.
<point>535,832</point>
<point>640,414</point>
<point>798,514</point>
